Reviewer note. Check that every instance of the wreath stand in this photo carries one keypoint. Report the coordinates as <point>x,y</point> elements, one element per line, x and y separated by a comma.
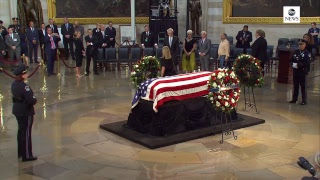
<point>249,98</point>
<point>227,128</point>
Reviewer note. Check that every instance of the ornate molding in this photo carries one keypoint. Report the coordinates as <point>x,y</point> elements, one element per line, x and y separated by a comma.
<point>102,20</point>
<point>228,19</point>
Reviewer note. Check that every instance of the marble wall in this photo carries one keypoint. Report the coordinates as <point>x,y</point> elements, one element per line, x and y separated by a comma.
<point>211,22</point>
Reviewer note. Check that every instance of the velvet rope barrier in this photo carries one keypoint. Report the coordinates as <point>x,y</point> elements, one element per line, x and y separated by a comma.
<point>7,73</point>
<point>62,58</point>
<point>8,62</point>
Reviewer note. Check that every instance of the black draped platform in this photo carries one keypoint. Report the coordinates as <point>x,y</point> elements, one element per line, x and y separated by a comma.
<point>175,122</point>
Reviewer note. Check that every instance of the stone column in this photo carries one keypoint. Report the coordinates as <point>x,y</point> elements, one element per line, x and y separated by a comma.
<point>204,17</point>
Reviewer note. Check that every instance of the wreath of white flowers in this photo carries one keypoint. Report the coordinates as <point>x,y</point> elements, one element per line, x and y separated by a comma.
<point>224,92</point>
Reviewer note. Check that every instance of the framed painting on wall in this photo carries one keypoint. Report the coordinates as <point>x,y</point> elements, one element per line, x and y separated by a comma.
<point>97,11</point>
<point>267,11</point>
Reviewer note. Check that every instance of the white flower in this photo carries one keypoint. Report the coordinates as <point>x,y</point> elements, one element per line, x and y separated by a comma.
<point>214,85</point>
<point>256,64</point>
<point>211,98</point>
<point>217,104</point>
<point>219,97</point>
<point>233,101</point>
<point>214,74</point>
<point>235,94</point>
<point>222,108</point>
<point>207,82</point>
<point>136,66</point>
<point>226,104</point>
<point>219,76</point>
<point>133,73</point>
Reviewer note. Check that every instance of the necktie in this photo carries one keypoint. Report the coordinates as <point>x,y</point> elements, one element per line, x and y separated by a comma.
<point>67,27</point>
<point>52,43</point>
<point>170,41</point>
<point>52,28</point>
<point>12,36</point>
<point>32,29</point>
<point>44,33</point>
<point>102,34</point>
<point>244,34</point>
<point>147,33</point>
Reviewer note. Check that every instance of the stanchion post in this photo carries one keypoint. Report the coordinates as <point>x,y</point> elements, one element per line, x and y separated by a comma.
<point>58,53</point>
<point>1,96</point>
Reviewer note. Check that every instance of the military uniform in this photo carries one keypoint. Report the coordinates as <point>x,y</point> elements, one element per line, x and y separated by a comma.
<point>23,102</point>
<point>302,60</point>
<point>15,27</point>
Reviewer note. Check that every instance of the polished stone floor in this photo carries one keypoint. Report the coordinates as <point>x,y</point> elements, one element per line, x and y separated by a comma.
<point>70,145</point>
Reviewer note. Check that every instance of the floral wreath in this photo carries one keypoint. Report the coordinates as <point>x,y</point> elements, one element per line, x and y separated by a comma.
<point>248,70</point>
<point>146,68</point>
<point>224,92</point>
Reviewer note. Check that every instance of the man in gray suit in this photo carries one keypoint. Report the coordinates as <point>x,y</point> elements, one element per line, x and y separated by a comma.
<point>204,45</point>
<point>13,44</point>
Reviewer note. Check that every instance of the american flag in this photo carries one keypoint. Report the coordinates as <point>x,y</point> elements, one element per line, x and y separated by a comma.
<point>180,87</point>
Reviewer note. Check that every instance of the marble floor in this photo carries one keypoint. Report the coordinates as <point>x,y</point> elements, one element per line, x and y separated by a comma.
<point>70,145</point>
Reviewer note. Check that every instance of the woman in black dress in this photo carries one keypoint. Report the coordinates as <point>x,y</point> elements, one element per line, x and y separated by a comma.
<point>79,52</point>
<point>24,46</point>
<point>167,65</point>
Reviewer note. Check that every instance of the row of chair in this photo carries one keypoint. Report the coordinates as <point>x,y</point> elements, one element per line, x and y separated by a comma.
<point>294,42</point>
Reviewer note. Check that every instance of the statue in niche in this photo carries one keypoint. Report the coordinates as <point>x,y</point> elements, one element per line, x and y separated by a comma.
<point>195,14</point>
<point>30,10</point>
<point>166,8</point>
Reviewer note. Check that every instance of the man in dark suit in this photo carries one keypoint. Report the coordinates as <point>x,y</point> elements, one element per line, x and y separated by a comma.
<point>3,30</point>
<point>173,43</point>
<point>53,26</point>
<point>51,44</point>
<point>244,38</point>
<point>147,38</point>
<point>259,48</point>
<point>42,34</point>
<point>2,49</point>
<point>67,31</point>
<point>96,30</point>
<point>111,33</point>
<point>33,42</point>
<point>103,41</point>
<point>92,43</point>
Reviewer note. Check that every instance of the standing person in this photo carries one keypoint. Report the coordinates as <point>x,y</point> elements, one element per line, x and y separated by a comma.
<point>244,38</point>
<point>173,43</point>
<point>259,48</point>
<point>24,45</point>
<point>33,41</point>
<point>23,102</point>
<point>91,52</point>
<point>42,34</point>
<point>51,44</point>
<point>67,31</point>
<point>310,42</point>
<point>13,45</point>
<point>2,49</point>
<point>147,38</point>
<point>79,52</point>
<point>3,30</point>
<point>103,41</point>
<point>96,30</point>
<point>314,31</point>
<point>188,57</point>
<point>204,45</point>
<point>300,61</point>
<point>167,64</point>
<point>78,27</point>
<point>223,50</point>
<point>15,26</point>
<point>111,33</point>
<point>53,26</point>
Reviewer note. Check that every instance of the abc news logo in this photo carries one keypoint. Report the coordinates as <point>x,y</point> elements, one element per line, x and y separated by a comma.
<point>291,14</point>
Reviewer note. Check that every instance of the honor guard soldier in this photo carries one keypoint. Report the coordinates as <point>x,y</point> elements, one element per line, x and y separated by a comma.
<point>15,26</point>
<point>23,102</point>
<point>300,62</point>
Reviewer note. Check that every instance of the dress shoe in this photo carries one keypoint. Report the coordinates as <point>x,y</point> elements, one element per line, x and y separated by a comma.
<point>53,74</point>
<point>87,73</point>
<point>292,101</point>
<point>30,159</point>
<point>303,103</point>
<point>96,73</point>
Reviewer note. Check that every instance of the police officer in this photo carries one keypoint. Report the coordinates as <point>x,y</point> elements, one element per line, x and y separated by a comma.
<point>23,102</point>
<point>300,62</point>
<point>15,26</point>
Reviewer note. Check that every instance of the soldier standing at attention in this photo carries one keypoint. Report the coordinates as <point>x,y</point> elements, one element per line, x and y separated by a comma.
<point>23,102</point>
<point>15,26</point>
<point>300,62</point>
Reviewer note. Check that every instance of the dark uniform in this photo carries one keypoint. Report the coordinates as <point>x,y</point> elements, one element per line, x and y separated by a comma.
<point>16,28</point>
<point>302,58</point>
<point>23,102</point>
